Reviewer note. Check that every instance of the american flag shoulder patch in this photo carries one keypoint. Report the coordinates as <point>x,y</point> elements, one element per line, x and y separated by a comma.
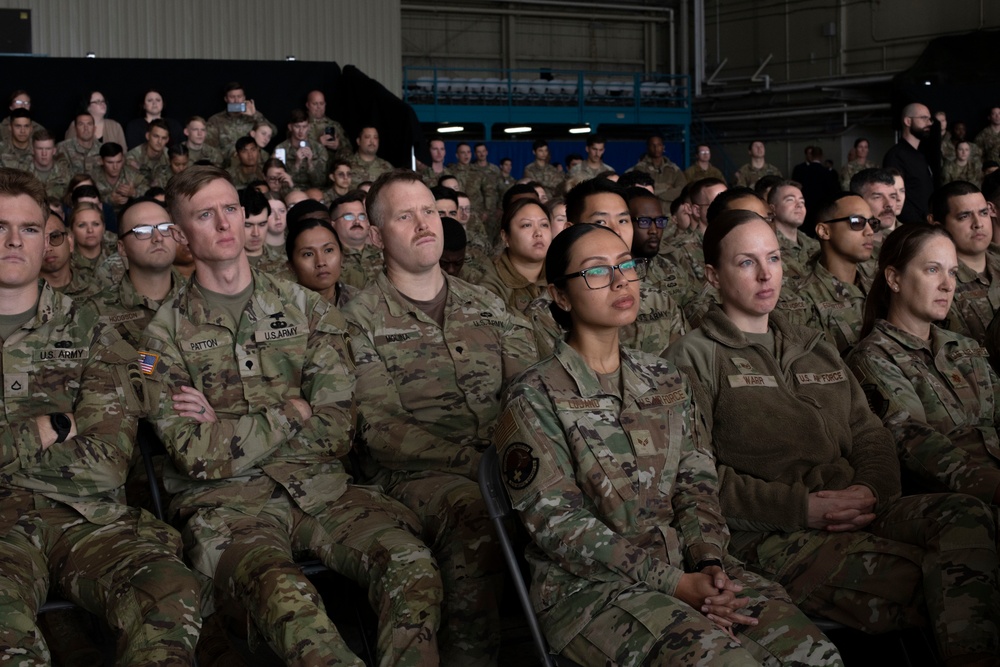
<point>147,362</point>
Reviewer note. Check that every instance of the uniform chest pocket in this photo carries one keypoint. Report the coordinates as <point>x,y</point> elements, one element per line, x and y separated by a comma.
<point>616,467</point>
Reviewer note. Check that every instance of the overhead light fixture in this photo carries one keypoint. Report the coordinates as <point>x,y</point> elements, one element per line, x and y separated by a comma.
<point>290,58</point>
<point>517,130</point>
<point>583,129</point>
<point>450,128</point>
<point>927,83</point>
<point>90,54</point>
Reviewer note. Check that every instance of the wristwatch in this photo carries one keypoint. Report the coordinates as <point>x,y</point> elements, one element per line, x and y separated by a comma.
<point>708,562</point>
<point>61,425</point>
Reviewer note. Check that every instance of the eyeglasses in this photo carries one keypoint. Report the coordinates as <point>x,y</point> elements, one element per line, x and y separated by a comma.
<point>57,238</point>
<point>857,222</point>
<point>22,103</point>
<point>601,276</point>
<point>465,209</point>
<point>644,222</point>
<point>920,117</point>
<point>98,102</point>
<point>143,232</point>
<point>351,217</point>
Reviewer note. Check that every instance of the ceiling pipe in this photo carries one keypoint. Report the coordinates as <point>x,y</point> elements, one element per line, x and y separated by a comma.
<point>739,116</point>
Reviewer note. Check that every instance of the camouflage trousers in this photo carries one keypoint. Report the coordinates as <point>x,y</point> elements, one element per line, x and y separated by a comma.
<point>366,536</point>
<point>128,573</point>
<point>928,560</point>
<point>458,530</point>
<point>642,626</point>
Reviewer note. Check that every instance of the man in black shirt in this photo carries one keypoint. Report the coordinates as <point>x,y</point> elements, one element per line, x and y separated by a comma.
<point>906,157</point>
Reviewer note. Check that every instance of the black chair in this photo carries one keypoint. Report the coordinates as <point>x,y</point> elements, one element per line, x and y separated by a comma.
<point>499,508</point>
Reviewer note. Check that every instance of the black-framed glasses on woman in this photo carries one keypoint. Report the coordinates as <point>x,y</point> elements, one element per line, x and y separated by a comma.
<point>602,275</point>
<point>645,221</point>
<point>857,222</point>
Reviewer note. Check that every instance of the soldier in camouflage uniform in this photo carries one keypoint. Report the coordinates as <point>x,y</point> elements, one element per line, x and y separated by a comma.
<point>748,175</point>
<point>541,171</point>
<point>832,289</point>
<point>366,165</point>
<point>15,153</point>
<point>326,131</point>
<point>988,138</point>
<point>594,165</point>
<point>470,179</point>
<point>788,208</point>
<point>81,154</point>
<point>57,268</point>
<point>362,260</point>
<point>257,409</point>
<point>53,175</point>
<point>622,560</point>
<point>858,164</point>
<point>702,167</point>
<point>962,209</point>
<point>432,355</point>
<point>116,181</point>
<point>668,179</point>
<point>519,275</point>
<point>225,127</point>
<point>934,389</point>
<point>305,158</point>
<point>72,392</point>
<point>150,159</point>
<point>196,131</point>
<point>809,479</point>
<point>492,181</point>
<point>663,266</point>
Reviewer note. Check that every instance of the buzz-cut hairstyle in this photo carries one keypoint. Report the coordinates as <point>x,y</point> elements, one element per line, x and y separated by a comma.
<point>193,119</point>
<point>478,145</point>
<point>14,183</point>
<point>132,203</point>
<point>41,135</point>
<point>595,139</point>
<point>233,85</point>
<point>444,192</point>
<point>701,185</point>
<point>576,199</point>
<point>463,143</point>
<point>940,201</point>
<point>756,141</point>
<point>189,182</point>
<point>375,201</point>
<point>868,177</point>
<point>79,114</point>
<point>158,122</point>
<point>83,206</point>
<point>349,198</point>
<point>829,207</point>
<point>724,200</point>
<point>772,196</point>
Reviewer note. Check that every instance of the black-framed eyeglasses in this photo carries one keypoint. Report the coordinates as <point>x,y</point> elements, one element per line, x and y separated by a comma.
<point>645,221</point>
<point>351,217</point>
<point>857,222</point>
<point>56,238</point>
<point>144,232</point>
<point>602,275</point>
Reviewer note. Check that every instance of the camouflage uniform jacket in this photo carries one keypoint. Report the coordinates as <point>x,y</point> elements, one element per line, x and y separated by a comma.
<point>696,173</point>
<point>224,128</point>
<point>241,178</point>
<point>65,360</point>
<point>362,171</point>
<point>55,179</point>
<point>516,291</point>
<point>795,256</point>
<point>16,158</point>
<point>667,271</point>
<point>668,179</point>
<point>977,299</point>
<point>274,262</point>
<point>584,171</point>
<point>939,398</point>
<point>659,323</point>
<point>429,396</point>
<point>833,307</point>
<point>783,425</point>
<point>317,128</point>
<point>848,171</point>
<point>470,180</point>
<point>288,343</point>
<point>81,286</point>
<point>128,176</point>
<point>614,491</point>
<point>79,160</point>
<point>746,176</point>
<point>971,172</point>
<point>358,268</point>
<point>988,142</point>
<point>204,152</point>
<point>306,174</point>
<point>548,176</point>
<point>129,312</point>
<point>492,179</point>
<point>5,128</point>
<point>691,255</point>
<point>431,177</point>
<point>155,171</point>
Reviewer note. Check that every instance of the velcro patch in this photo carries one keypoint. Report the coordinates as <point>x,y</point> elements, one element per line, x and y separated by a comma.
<point>752,381</point>
<point>657,400</point>
<point>965,354</point>
<point>821,378</point>
<point>877,401</point>
<point>147,362</point>
<point>519,465</point>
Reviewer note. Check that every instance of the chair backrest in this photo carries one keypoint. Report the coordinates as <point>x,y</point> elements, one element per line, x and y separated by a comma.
<point>498,506</point>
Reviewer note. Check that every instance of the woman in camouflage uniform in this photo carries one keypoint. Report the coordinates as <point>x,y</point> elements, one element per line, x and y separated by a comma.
<point>602,450</point>
<point>933,388</point>
<point>526,231</point>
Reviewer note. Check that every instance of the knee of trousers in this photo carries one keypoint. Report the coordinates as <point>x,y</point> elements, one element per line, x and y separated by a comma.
<point>961,522</point>
<point>161,593</point>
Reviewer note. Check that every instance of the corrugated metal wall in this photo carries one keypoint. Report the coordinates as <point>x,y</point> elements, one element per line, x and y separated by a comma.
<point>364,33</point>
